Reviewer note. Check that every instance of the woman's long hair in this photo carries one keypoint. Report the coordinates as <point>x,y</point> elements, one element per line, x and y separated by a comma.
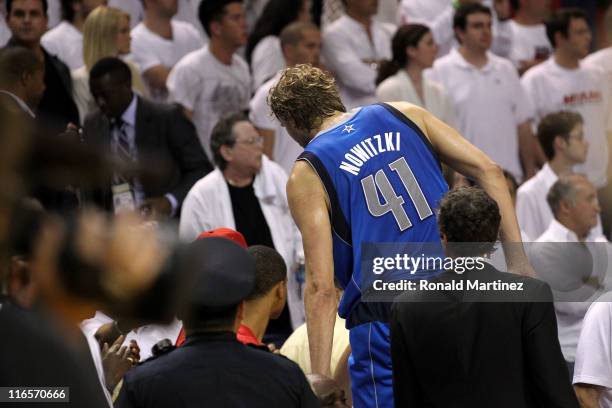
<point>406,36</point>
<point>276,15</point>
<point>99,34</point>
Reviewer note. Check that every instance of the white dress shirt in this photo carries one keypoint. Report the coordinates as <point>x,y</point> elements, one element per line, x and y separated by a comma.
<point>399,87</point>
<point>208,206</point>
<point>66,43</point>
<point>345,47</point>
<point>545,260</point>
<point>532,210</point>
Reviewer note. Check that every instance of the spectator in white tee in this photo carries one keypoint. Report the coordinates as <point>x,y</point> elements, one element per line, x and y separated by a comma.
<point>301,44</point>
<point>401,79</point>
<point>573,201</point>
<point>491,108</point>
<point>214,81</point>
<point>159,42</point>
<point>602,59</point>
<point>562,83</point>
<point>561,136</point>
<point>353,46</point>
<point>530,46</point>
<point>593,369</point>
<point>263,51</point>
<point>65,40</point>
<point>438,15</point>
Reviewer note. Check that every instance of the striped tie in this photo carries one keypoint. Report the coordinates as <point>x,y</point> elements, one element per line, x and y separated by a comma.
<point>122,149</point>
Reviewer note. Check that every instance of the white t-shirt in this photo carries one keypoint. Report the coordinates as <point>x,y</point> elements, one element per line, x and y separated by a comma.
<point>150,50</point>
<point>527,41</point>
<point>594,354</point>
<point>569,314</point>
<point>346,46</point>
<point>286,150</point>
<point>399,87</point>
<point>602,60</point>
<point>421,11</point>
<point>209,88</point>
<point>132,7</point>
<point>552,88</point>
<point>489,105</point>
<point>66,43</point>
<point>267,59</point>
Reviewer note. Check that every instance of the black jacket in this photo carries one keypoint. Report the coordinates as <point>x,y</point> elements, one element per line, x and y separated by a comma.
<point>215,370</point>
<point>166,142</point>
<point>450,350</point>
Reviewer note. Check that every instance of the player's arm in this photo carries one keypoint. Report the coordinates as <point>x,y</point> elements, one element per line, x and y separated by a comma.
<point>470,161</point>
<point>309,206</point>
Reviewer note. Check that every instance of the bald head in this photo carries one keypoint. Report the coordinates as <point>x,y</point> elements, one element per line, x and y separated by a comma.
<point>301,43</point>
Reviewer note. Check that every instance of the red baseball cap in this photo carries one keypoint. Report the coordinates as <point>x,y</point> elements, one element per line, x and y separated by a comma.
<point>227,233</point>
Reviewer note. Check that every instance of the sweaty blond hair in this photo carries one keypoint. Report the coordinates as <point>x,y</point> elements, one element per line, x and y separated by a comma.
<point>305,96</point>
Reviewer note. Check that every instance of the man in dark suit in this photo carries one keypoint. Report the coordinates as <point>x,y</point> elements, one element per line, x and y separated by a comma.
<point>27,20</point>
<point>460,347</point>
<point>212,368</point>
<point>138,131</point>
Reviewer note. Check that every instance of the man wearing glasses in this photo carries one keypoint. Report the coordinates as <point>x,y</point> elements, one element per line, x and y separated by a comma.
<point>246,192</point>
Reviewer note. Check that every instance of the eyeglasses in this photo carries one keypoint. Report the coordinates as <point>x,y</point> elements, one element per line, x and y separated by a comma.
<point>251,140</point>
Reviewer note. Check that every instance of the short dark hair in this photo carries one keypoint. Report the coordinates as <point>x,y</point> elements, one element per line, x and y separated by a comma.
<point>223,135</point>
<point>462,13</point>
<point>553,125</point>
<point>469,215</point>
<point>408,35</point>
<point>270,269</point>
<point>113,66</point>
<point>212,10</point>
<point>9,6</point>
<point>560,20</point>
<point>16,61</point>
<point>294,33</point>
<point>67,10</point>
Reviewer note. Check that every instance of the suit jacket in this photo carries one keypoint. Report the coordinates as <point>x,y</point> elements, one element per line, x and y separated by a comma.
<point>166,141</point>
<point>215,370</point>
<point>451,352</point>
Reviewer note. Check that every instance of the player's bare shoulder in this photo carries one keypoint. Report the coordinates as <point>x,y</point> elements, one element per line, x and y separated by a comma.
<point>413,112</point>
<point>304,184</point>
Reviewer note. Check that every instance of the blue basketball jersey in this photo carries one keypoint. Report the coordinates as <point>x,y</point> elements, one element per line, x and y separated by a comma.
<point>384,181</point>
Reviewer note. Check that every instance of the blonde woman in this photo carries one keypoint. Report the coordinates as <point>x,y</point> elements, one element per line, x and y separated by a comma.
<point>106,33</point>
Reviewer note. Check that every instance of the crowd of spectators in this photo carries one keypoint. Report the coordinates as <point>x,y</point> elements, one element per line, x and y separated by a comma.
<point>147,122</point>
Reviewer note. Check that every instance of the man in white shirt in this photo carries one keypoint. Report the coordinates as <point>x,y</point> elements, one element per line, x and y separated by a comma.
<point>530,46</point>
<point>301,44</point>
<point>65,40</point>
<point>602,59</point>
<point>353,46</point>
<point>593,369</point>
<point>562,139</point>
<point>246,192</point>
<point>213,80</point>
<point>492,110</point>
<point>562,83</point>
<point>563,262</point>
<point>159,42</point>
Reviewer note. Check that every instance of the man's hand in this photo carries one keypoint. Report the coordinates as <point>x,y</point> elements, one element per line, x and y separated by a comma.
<point>116,361</point>
<point>156,208</point>
<point>327,391</point>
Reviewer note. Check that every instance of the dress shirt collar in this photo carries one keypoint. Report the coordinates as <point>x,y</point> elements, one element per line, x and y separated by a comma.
<point>460,61</point>
<point>558,232</point>
<point>547,175</point>
<point>129,115</point>
<point>20,102</point>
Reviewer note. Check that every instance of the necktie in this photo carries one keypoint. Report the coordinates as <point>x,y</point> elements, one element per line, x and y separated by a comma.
<point>122,149</point>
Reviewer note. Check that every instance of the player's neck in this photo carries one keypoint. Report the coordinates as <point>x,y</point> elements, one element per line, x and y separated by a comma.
<point>328,123</point>
<point>256,317</point>
<point>159,25</point>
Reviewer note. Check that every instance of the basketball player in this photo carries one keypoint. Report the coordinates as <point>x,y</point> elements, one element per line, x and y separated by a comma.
<point>369,175</point>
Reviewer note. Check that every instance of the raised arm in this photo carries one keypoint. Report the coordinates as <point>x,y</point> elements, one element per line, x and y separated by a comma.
<point>309,206</point>
<point>467,159</point>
